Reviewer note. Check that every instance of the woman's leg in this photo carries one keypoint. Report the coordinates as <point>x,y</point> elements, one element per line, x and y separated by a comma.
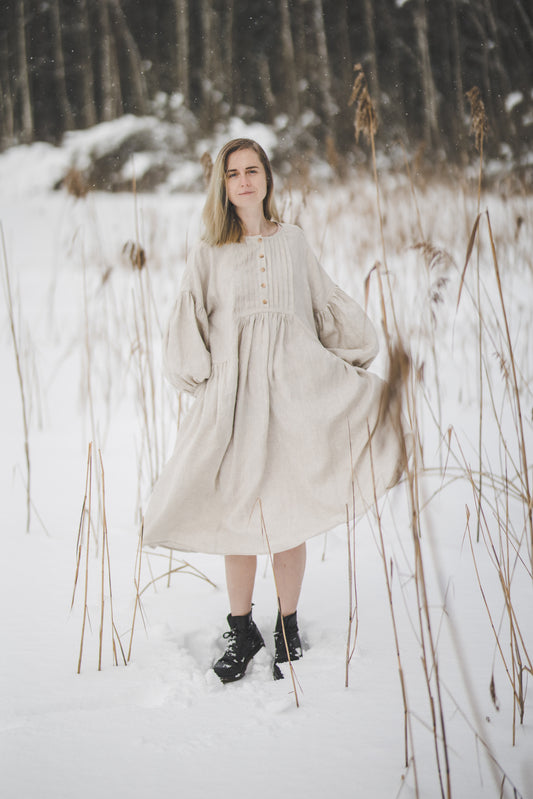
<point>289,568</point>
<point>240,579</point>
<point>244,639</point>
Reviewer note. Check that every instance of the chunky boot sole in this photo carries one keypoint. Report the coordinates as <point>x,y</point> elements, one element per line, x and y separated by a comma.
<point>225,678</point>
<point>244,642</point>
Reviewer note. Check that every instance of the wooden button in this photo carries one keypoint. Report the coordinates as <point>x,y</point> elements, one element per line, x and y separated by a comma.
<point>261,256</point>
<point>262,269</point>
<point>264,302</point>
<point>263,285</point>
<point>259,239</point>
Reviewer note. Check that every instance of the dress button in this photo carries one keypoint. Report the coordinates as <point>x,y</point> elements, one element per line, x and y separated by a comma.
<point>262,269</point>
<point>260,239</point>
<point>263,285</point>
<point>262,255</point>
<point>264,302</point>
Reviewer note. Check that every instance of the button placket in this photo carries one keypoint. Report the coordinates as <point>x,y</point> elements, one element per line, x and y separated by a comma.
<point>262,272</point>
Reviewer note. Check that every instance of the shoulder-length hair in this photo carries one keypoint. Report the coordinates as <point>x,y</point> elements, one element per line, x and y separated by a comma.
<point>221,221</point>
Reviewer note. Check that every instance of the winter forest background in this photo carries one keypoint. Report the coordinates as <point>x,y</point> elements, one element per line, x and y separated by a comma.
<point>69,65</point>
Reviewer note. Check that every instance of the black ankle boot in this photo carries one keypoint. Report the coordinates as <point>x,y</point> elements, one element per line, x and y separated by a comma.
<point>294,645</point>
<point>244,641</point>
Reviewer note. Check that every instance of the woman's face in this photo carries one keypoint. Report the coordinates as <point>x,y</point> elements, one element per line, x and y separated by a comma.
<point>246,182</point>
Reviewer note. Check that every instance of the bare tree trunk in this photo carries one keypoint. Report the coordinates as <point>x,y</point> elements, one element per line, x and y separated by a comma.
<point>484,65</point>
<point>136,74</point>
<point>345,52</point>
<point>212,61</point>
<point>88,107</point>
<point>429,93</point>
<point>207,40</point>
<point>528,27</point>
<point>289,63</point>
<point>182,38</point>
<point>23,79</point>
<point>60,77</point>
<point>323,72</point>
<point>266,85</point>
<point>300,42</point>
<point>372,74</point>
<point>109,73</point>
<point>502,86</point>
<point>457,73</point>
<point>6,101</point>
<point>496,51</point>
<point>228,52</point>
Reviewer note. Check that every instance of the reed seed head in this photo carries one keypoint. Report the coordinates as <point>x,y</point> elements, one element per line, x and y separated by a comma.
<point>75,183</point>
<point>135,254</point>
<point>207,165</point>
<point>365,116</point>
<point>479,123</point>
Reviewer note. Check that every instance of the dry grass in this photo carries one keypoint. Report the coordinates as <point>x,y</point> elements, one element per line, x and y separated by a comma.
<point>271,560</point>
<point>422,233</point>
<point>509,553</point>
<point>15,339</point>
<point>83,557</point>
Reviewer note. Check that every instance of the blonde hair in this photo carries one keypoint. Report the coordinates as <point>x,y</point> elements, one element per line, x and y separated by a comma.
<point>221,221</point>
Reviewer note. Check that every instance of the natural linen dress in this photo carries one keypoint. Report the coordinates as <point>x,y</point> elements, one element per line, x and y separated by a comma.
<point>276,356</point>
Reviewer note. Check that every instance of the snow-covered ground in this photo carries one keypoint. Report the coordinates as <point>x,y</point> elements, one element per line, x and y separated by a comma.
<point>88,327</point>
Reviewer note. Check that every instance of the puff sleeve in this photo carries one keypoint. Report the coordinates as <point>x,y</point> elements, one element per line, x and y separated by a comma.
<point>344,328</point>
<point>186,355</point>
<point>341,324</point>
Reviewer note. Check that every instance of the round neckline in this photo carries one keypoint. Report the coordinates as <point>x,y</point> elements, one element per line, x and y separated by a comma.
<point>262,236</point>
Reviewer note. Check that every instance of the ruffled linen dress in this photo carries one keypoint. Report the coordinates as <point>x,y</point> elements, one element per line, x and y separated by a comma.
<point>277,437</point>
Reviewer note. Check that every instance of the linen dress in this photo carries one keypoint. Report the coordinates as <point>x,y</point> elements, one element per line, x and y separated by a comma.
<point>276,356</point>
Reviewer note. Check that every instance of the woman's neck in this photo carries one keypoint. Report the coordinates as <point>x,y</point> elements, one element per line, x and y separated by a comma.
<point>254,222</point>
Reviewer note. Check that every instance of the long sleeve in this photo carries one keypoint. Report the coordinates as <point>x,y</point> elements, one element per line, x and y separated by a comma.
<point>341,324</point>
<point>186,355</point>
<point>344,328</point>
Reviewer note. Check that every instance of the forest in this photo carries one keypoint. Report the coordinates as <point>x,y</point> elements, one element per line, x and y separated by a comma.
<point>70,65</point>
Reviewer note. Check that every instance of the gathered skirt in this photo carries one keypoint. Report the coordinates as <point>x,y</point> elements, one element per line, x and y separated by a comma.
<point>275,448</point>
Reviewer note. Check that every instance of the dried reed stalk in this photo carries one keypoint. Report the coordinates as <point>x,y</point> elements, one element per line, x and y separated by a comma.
<point>500,557</point>
<point>512,373</point>
<point>407,731</point>
<point>106,562</point>
<point>495,764</point>
<point>146,303</point>
<point>18,362</point>
<point>271,558</point>
<point>366,123</point>
<point>398,388</point>
<point>510,670</point>
<point>88,351</point>
<point>184,568</point>
<point>516,391</point>
<point>85,514</point>
<point>137,582</point>
<point>479,128</point>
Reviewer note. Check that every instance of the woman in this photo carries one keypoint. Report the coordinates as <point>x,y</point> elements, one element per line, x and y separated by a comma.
<point>277,442</point>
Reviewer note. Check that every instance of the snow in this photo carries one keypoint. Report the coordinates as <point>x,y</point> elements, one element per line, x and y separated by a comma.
<point>164,725</point>
<point>512,99</point>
